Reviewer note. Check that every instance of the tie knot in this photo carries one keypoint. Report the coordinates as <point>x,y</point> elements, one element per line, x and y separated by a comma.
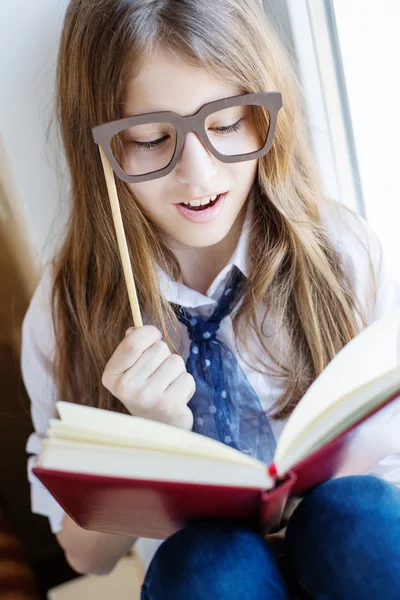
<point>200,329</point>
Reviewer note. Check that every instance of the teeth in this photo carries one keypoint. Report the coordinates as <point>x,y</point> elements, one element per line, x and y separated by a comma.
<point>201,202</point>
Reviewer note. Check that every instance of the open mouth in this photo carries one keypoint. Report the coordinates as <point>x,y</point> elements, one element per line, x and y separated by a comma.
<point>202,207</point>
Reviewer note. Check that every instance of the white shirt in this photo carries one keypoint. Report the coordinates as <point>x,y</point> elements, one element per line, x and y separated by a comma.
<point>38,342</point>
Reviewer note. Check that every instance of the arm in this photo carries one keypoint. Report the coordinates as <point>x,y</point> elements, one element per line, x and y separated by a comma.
<point>91,551</point>
<point>86,551</point>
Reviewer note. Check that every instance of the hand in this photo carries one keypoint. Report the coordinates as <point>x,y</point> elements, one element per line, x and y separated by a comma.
<point>150,381</point>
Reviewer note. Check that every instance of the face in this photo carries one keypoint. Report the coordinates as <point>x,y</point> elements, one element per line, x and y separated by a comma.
<point>167,83</point>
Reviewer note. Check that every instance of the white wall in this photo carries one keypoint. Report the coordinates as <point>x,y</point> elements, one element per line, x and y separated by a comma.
<point>29,35</point>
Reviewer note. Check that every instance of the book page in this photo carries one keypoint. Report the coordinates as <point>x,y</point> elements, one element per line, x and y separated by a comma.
<point>151,465</point>
<point>369,355</point>
<point>383,425</point>
<point>83,423</point>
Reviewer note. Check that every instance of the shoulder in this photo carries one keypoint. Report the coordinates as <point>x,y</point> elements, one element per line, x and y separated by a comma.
<point>371,266</point>
<point>37,326</point>
<point>349,233</point>
<point>37,351</point>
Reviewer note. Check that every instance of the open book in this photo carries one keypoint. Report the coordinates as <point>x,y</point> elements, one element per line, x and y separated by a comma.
<point>123,474</point>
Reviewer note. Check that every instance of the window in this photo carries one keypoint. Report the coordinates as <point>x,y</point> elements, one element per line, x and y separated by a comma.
<point>346,53</point>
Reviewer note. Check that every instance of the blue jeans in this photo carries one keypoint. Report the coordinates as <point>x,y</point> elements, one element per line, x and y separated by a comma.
<point>342,542</point>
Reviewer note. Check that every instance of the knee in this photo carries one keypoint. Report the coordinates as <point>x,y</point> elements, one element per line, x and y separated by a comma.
<point>214,556</point>
<point>358,494</point>
<point>220,545</point>
<point>342,539</point>
<point>340,507</point>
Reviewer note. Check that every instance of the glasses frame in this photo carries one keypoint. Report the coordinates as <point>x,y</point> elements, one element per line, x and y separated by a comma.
<point>104,133</point>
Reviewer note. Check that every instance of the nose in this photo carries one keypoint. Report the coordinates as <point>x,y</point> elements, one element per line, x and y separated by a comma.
<point>196,164</point>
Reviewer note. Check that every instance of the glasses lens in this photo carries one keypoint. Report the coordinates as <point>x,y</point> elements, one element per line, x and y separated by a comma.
<point>145,148</point>
<point>238,130</point>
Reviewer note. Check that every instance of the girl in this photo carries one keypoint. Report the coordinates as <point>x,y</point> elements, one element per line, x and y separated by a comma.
<point>243,268</point>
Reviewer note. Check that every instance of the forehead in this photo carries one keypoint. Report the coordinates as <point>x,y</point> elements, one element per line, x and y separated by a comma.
<point>166,82</point>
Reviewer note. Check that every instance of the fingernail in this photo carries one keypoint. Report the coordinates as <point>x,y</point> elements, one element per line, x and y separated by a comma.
<point>128,331</point>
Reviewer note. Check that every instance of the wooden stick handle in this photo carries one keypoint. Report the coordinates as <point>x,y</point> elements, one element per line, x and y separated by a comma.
<point>122,245</point>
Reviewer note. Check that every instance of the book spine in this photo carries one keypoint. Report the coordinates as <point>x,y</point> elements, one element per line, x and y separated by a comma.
<point>273,503</point>
<point>272,471</point>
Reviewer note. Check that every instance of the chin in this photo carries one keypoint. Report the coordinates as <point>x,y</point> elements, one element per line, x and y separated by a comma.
<point>197,238</point>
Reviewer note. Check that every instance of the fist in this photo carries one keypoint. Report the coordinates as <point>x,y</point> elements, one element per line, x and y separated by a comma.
<point>149,380</point>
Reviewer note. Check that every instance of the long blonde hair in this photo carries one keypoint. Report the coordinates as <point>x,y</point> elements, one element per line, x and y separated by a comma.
<point>294,270</point>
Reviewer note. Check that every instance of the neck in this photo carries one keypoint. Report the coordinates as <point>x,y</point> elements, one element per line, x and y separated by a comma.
<point>200,266</point>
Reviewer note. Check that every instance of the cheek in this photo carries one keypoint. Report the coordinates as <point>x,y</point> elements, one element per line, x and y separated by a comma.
<point>147,194</point>
<point>244,172</point>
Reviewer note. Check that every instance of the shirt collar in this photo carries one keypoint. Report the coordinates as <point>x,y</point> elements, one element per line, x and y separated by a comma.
<point>178,293</point>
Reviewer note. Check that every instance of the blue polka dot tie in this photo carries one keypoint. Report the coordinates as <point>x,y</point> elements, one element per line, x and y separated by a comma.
<point>225,406</point>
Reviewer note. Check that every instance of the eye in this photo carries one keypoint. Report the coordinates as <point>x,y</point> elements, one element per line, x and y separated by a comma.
<point>229,128</point>
<point>152,145</point>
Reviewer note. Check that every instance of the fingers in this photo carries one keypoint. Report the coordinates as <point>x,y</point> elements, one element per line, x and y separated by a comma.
<point>167,372</point>
<point>129,351</point>
<point>149,380</point>
<point>183,387</point>
<point>151,360</point>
